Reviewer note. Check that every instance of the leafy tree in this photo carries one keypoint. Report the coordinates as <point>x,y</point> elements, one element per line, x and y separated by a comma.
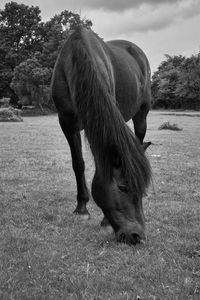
<point>20,30</point>
<point>31,85</point>
<point>30,82</point>
<point>20,35</point>
<point>176,84</point>
<point>164,82</point>
<point>188,84</point>
<point>29,49</point>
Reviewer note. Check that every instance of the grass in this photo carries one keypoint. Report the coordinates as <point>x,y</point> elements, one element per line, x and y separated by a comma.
<point>48,253</point>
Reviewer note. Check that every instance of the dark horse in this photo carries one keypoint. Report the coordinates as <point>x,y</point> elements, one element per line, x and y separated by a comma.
<point>98,86</point>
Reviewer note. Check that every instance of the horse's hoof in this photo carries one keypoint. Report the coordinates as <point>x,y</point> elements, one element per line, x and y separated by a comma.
<point>84,217</point>
<point>107,229</point>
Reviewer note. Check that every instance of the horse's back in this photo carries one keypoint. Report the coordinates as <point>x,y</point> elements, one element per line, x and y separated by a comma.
<point>134,51</point>
<point>132,76</point>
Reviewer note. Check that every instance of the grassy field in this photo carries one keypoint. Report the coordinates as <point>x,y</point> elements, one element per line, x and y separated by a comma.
<point>46,252</point>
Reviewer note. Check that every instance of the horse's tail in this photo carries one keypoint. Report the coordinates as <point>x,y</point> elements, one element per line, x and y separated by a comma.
<point>92,88</point>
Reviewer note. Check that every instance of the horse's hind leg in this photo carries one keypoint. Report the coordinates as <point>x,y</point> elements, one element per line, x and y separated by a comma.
<point>74,140</point>
<point>140,124</point>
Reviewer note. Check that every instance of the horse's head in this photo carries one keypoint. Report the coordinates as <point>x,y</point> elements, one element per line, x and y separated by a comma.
<point>121,205</point>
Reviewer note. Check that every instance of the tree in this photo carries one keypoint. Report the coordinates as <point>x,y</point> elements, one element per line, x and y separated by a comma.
<point>31,83</point>
<point>176,84</point>
<point>21,30</point>
<point>32,77</point>
<point>188,84</point>
<point>29,49</point>
<point>20,35</point>
<point>164,83</point>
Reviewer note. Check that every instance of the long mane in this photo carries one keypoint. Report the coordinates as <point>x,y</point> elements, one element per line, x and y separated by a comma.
<point>92,87</point>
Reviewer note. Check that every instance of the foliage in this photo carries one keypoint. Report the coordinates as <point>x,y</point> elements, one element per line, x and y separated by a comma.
<point>26,39</point>
<point>169,126</point>
<point>176,83</point>
<point>10,114</point>
<point>5,79</point>
<point>188,85</point>
<point>164,82</point>
<point>31,79</point>
<point>20,34</point>
<point>4,102</point>
<point>20,29</point>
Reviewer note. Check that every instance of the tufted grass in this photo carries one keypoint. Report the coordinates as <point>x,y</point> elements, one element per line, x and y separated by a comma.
<point>169,126</point>
<point>48,253</point>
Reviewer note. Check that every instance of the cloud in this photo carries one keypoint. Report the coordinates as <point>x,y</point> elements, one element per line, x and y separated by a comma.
<point>118,5</point>
<point>121,6</point>
<point>144,18</point>
<point>123,16</point>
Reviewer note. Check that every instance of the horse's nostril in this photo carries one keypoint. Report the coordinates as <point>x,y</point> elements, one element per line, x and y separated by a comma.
<point>122,238</point>
<point>135,238</point>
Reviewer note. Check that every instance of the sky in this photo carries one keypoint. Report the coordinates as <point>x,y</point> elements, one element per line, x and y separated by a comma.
<point>159,27</point>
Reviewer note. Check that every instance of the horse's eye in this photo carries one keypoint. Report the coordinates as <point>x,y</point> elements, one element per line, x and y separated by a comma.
<point>123,188</point>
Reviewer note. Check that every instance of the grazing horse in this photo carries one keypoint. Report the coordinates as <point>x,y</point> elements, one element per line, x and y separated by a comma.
<point>98,87</point>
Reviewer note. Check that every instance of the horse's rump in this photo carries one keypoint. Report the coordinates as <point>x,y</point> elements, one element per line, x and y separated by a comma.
<point>132,76</point>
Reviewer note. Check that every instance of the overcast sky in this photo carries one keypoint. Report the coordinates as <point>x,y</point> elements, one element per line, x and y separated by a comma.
<point>158,26</point>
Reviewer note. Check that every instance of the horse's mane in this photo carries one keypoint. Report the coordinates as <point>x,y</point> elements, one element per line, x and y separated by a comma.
<point>105,128</point>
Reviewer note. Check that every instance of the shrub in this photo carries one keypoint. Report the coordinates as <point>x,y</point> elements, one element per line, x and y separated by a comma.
<point>169,126</point>
<point>10,114</point>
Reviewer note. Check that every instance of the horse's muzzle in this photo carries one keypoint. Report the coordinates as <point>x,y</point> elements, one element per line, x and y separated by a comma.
<point>132,238</point>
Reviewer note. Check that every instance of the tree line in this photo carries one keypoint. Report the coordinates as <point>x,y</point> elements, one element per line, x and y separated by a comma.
<point>176,83</point>
<point>28,51</point>
<point>29,48</point>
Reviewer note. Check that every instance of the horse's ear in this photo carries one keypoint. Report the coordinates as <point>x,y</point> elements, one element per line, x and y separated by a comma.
<point>114,157</point>
<point>145,145</point>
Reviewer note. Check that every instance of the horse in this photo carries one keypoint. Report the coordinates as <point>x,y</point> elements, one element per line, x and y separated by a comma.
<point>98,86</point>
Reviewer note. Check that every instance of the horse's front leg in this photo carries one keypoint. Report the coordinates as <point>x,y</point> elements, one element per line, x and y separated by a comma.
<point>74,139</point>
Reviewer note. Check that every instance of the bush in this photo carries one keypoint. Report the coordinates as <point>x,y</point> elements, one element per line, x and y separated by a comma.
<point>10,114</point>
<point>4,102</point>
<point>169,126</point>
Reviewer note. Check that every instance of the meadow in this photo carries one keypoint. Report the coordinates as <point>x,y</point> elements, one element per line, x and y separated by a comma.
<point>47,252</point>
